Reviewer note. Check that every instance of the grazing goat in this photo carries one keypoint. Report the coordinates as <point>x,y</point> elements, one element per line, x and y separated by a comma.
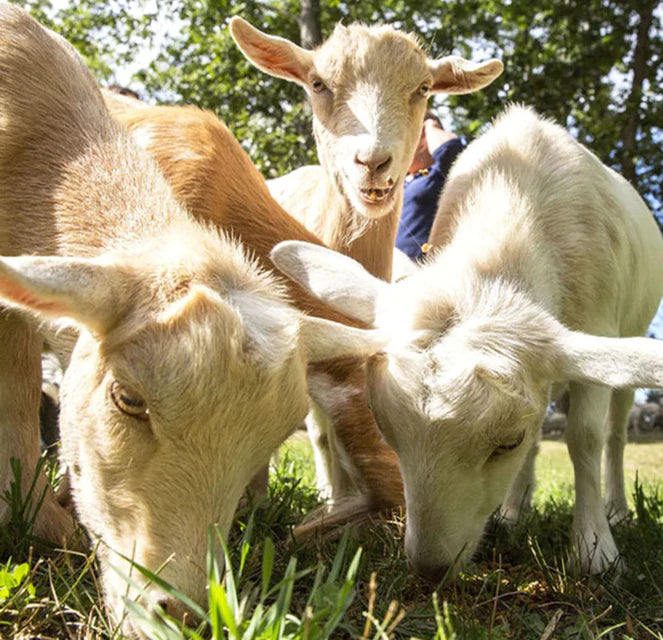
<point>368,88</point>
<point>545,258</point>
<point>188,367</point>
<point>211,174</point>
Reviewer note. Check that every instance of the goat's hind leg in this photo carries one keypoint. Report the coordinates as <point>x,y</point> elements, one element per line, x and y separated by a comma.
<point>20,391</point>
<point>615,493</point>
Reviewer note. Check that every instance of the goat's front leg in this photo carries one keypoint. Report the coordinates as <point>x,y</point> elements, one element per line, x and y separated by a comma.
<point>361,461</point>
<point>20,391</point>
<point>331,479</point>
<point>593,545</point>
<point>615,493</point>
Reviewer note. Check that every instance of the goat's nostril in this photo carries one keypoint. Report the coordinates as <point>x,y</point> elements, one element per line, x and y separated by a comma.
<point>375,161</point>
<point>384,164</point>
<point>176,609</point>
<point>168,606</point>
<point>360,160</point>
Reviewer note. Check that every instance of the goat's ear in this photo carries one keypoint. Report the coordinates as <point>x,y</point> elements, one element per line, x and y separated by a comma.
<point>453,74</point>
<point>338,280</point>
<point>273,55</point>
<point>325,340</point>
<point>56,287</point>
<point>611,362</point>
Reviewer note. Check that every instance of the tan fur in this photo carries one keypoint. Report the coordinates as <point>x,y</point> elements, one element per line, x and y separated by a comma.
<point>212,175</point>
<point>189,368</point>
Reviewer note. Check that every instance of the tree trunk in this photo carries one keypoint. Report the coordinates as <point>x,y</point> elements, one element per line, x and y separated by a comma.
<point>633,102</point>
<point>310,33</point>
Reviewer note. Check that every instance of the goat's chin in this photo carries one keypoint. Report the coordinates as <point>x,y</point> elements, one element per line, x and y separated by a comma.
<point>373,210</point>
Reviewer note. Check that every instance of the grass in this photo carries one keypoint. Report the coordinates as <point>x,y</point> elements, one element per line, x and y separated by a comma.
<point>360,586</point>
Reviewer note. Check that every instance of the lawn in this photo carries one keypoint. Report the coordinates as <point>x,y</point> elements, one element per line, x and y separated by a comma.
<point>358,585</point>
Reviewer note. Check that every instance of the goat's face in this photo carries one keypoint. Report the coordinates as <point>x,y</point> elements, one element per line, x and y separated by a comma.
<point>188,372</point>
<point>459,392</point>
<point>368,87</point>
<point>461,425</point>
<point>166,418</point>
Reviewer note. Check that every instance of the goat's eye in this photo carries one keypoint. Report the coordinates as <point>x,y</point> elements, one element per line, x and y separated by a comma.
<point>318,86</point>
<point>129,402</point>
<point>505,448</point>
<point>424,90</point>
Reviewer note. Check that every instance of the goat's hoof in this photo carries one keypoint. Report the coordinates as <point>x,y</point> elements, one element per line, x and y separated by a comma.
<point>616,512</point>
<point>510,516</point>
<point>595,558</point>
<point>64,494</point>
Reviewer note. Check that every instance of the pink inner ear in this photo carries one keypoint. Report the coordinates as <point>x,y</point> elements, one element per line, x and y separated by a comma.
<point>13,292</point>
<point>274,58</point>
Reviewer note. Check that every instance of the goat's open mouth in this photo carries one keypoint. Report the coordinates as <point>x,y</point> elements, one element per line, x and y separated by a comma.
<point>375,196</point>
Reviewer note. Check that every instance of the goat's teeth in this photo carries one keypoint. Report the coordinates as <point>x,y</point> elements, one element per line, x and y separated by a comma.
<point>375,195</point>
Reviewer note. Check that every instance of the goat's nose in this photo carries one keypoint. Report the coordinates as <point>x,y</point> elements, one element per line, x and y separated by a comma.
<point>375,160</point>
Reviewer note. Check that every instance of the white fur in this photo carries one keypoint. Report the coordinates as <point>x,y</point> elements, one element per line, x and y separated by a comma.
<point>538,245</point>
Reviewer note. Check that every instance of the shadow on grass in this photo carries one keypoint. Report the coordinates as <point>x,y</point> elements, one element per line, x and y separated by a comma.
<point>517,587</point>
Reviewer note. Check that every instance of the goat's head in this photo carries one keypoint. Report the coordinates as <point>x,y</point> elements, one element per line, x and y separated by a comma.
<point>461,402</point>
<point>461,389</point>
<point>189,371</point>
<point>368,88</point>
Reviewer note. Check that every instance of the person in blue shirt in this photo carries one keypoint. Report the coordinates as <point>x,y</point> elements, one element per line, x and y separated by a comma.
<point>435,153</point>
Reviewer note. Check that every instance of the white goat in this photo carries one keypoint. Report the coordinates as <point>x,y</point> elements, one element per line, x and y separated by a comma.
<point>189,367</point>
<point>368,88</point>
<point>543,246</point>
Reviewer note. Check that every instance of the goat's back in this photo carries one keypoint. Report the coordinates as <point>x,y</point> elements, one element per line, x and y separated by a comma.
<point>46,93</point>
<point>527,200</point>
<point>70,180</point>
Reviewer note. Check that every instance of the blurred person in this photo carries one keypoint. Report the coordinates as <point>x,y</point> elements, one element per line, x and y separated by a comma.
<point>435,153</point>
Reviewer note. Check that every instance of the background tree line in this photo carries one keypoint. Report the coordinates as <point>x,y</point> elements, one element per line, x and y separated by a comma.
<point>591,65</point>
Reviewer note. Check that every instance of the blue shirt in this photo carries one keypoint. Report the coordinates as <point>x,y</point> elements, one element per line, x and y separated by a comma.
<point>420,195</point>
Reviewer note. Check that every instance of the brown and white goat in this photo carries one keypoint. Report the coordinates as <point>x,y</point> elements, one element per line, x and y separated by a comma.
<point>547,258</point>
<point>189,364</point>
<point>368,88</point>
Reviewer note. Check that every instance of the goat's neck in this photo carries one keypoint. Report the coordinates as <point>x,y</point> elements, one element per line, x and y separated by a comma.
<point>493,239</point>
<point>242,206</point>
<point>134,198</point>
<point>342,228</point>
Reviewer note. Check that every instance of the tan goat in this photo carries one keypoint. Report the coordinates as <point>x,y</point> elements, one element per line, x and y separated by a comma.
<point>212,175</point>
<point>546,258</point>
<point>368,88</point>
<point>189,365</point>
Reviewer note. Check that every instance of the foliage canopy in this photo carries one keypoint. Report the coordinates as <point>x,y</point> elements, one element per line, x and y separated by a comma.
<point>592,65</point>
